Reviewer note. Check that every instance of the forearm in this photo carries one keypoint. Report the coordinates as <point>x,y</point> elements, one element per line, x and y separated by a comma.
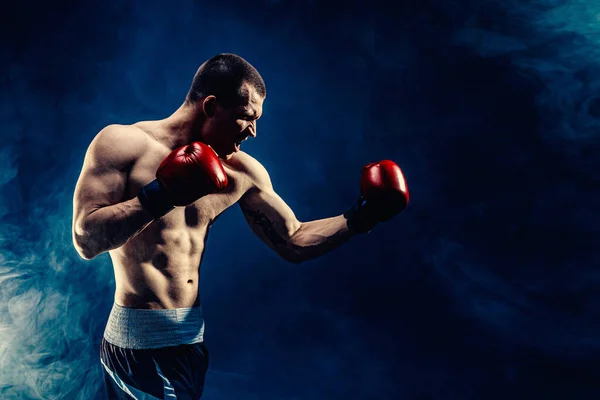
<point>110,227</point>
<point>315,238</point>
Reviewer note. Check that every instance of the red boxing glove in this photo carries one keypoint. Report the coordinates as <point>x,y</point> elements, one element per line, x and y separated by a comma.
<point>185,175</point>
<point>384,193</point>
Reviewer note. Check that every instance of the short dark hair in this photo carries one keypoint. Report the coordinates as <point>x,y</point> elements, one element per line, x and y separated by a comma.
<point>223,76</point>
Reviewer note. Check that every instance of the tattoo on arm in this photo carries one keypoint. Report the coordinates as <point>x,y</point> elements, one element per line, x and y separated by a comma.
<point>266,225</point>
<point>316,239</point>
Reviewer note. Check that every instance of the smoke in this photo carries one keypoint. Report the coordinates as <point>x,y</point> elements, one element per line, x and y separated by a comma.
<point>555,46</point>
<point>490,107</point>
<point>51,319</point>
<point>47,326</point>
<point>518,252</point>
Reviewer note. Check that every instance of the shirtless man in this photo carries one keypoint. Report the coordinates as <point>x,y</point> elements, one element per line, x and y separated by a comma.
<point>147,195</point>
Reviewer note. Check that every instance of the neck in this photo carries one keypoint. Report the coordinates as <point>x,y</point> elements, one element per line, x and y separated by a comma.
<point>183,126</point>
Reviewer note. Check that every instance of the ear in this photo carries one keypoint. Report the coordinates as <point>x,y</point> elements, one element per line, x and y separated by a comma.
<point>209,104</point>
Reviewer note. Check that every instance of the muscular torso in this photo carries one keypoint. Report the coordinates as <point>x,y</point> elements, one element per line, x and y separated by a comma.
<point>160,267</point>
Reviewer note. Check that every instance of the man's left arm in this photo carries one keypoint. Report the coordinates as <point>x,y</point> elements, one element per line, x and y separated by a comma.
<point>274,222</point>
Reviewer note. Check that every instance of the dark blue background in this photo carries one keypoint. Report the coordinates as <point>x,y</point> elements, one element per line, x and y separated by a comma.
<point>485,288</point>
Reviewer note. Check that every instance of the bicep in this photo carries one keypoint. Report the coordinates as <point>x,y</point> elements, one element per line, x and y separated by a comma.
<point>103,177</point>
<point>97,188</point>
<point>269,217</point>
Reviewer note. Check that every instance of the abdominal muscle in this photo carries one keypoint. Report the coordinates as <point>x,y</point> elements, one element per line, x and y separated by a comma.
<point>160,267</point>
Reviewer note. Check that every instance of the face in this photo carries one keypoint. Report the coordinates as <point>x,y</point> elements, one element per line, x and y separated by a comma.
<point>225,128</point>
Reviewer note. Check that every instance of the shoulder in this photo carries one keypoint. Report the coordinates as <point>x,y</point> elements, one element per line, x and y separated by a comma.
<point>120,136</point>
<point>254,172</point>
<point>117,144</point>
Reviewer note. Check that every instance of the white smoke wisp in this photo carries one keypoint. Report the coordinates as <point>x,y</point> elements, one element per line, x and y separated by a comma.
<point>53,305</point>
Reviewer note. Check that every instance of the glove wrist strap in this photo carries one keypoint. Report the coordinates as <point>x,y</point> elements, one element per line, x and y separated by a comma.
<point>155,199</point>
<point>358,219</point>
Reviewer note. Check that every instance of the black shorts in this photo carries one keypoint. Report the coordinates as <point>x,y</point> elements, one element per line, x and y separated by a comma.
<point>154,354</point>
<point>168,373</point>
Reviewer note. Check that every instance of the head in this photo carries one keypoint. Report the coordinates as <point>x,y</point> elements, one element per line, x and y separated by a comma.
<point>228,94</point>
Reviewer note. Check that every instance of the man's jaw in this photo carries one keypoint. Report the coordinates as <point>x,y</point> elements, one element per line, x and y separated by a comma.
<point>238,144</point>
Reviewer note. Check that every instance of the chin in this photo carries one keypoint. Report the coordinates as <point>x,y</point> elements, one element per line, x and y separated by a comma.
<point>226,156</point>
<point>224,152</point>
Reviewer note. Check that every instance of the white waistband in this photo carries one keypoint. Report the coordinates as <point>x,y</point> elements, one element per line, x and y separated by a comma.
<point>133,328</point>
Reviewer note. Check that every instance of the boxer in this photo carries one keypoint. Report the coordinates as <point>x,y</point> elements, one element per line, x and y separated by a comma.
<point>148,194</point>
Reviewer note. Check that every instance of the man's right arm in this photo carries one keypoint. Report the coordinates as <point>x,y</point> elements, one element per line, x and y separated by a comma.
<point>102,221</point>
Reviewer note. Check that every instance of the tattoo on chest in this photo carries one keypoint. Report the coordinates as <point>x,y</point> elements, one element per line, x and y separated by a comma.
<point>266,225</point>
